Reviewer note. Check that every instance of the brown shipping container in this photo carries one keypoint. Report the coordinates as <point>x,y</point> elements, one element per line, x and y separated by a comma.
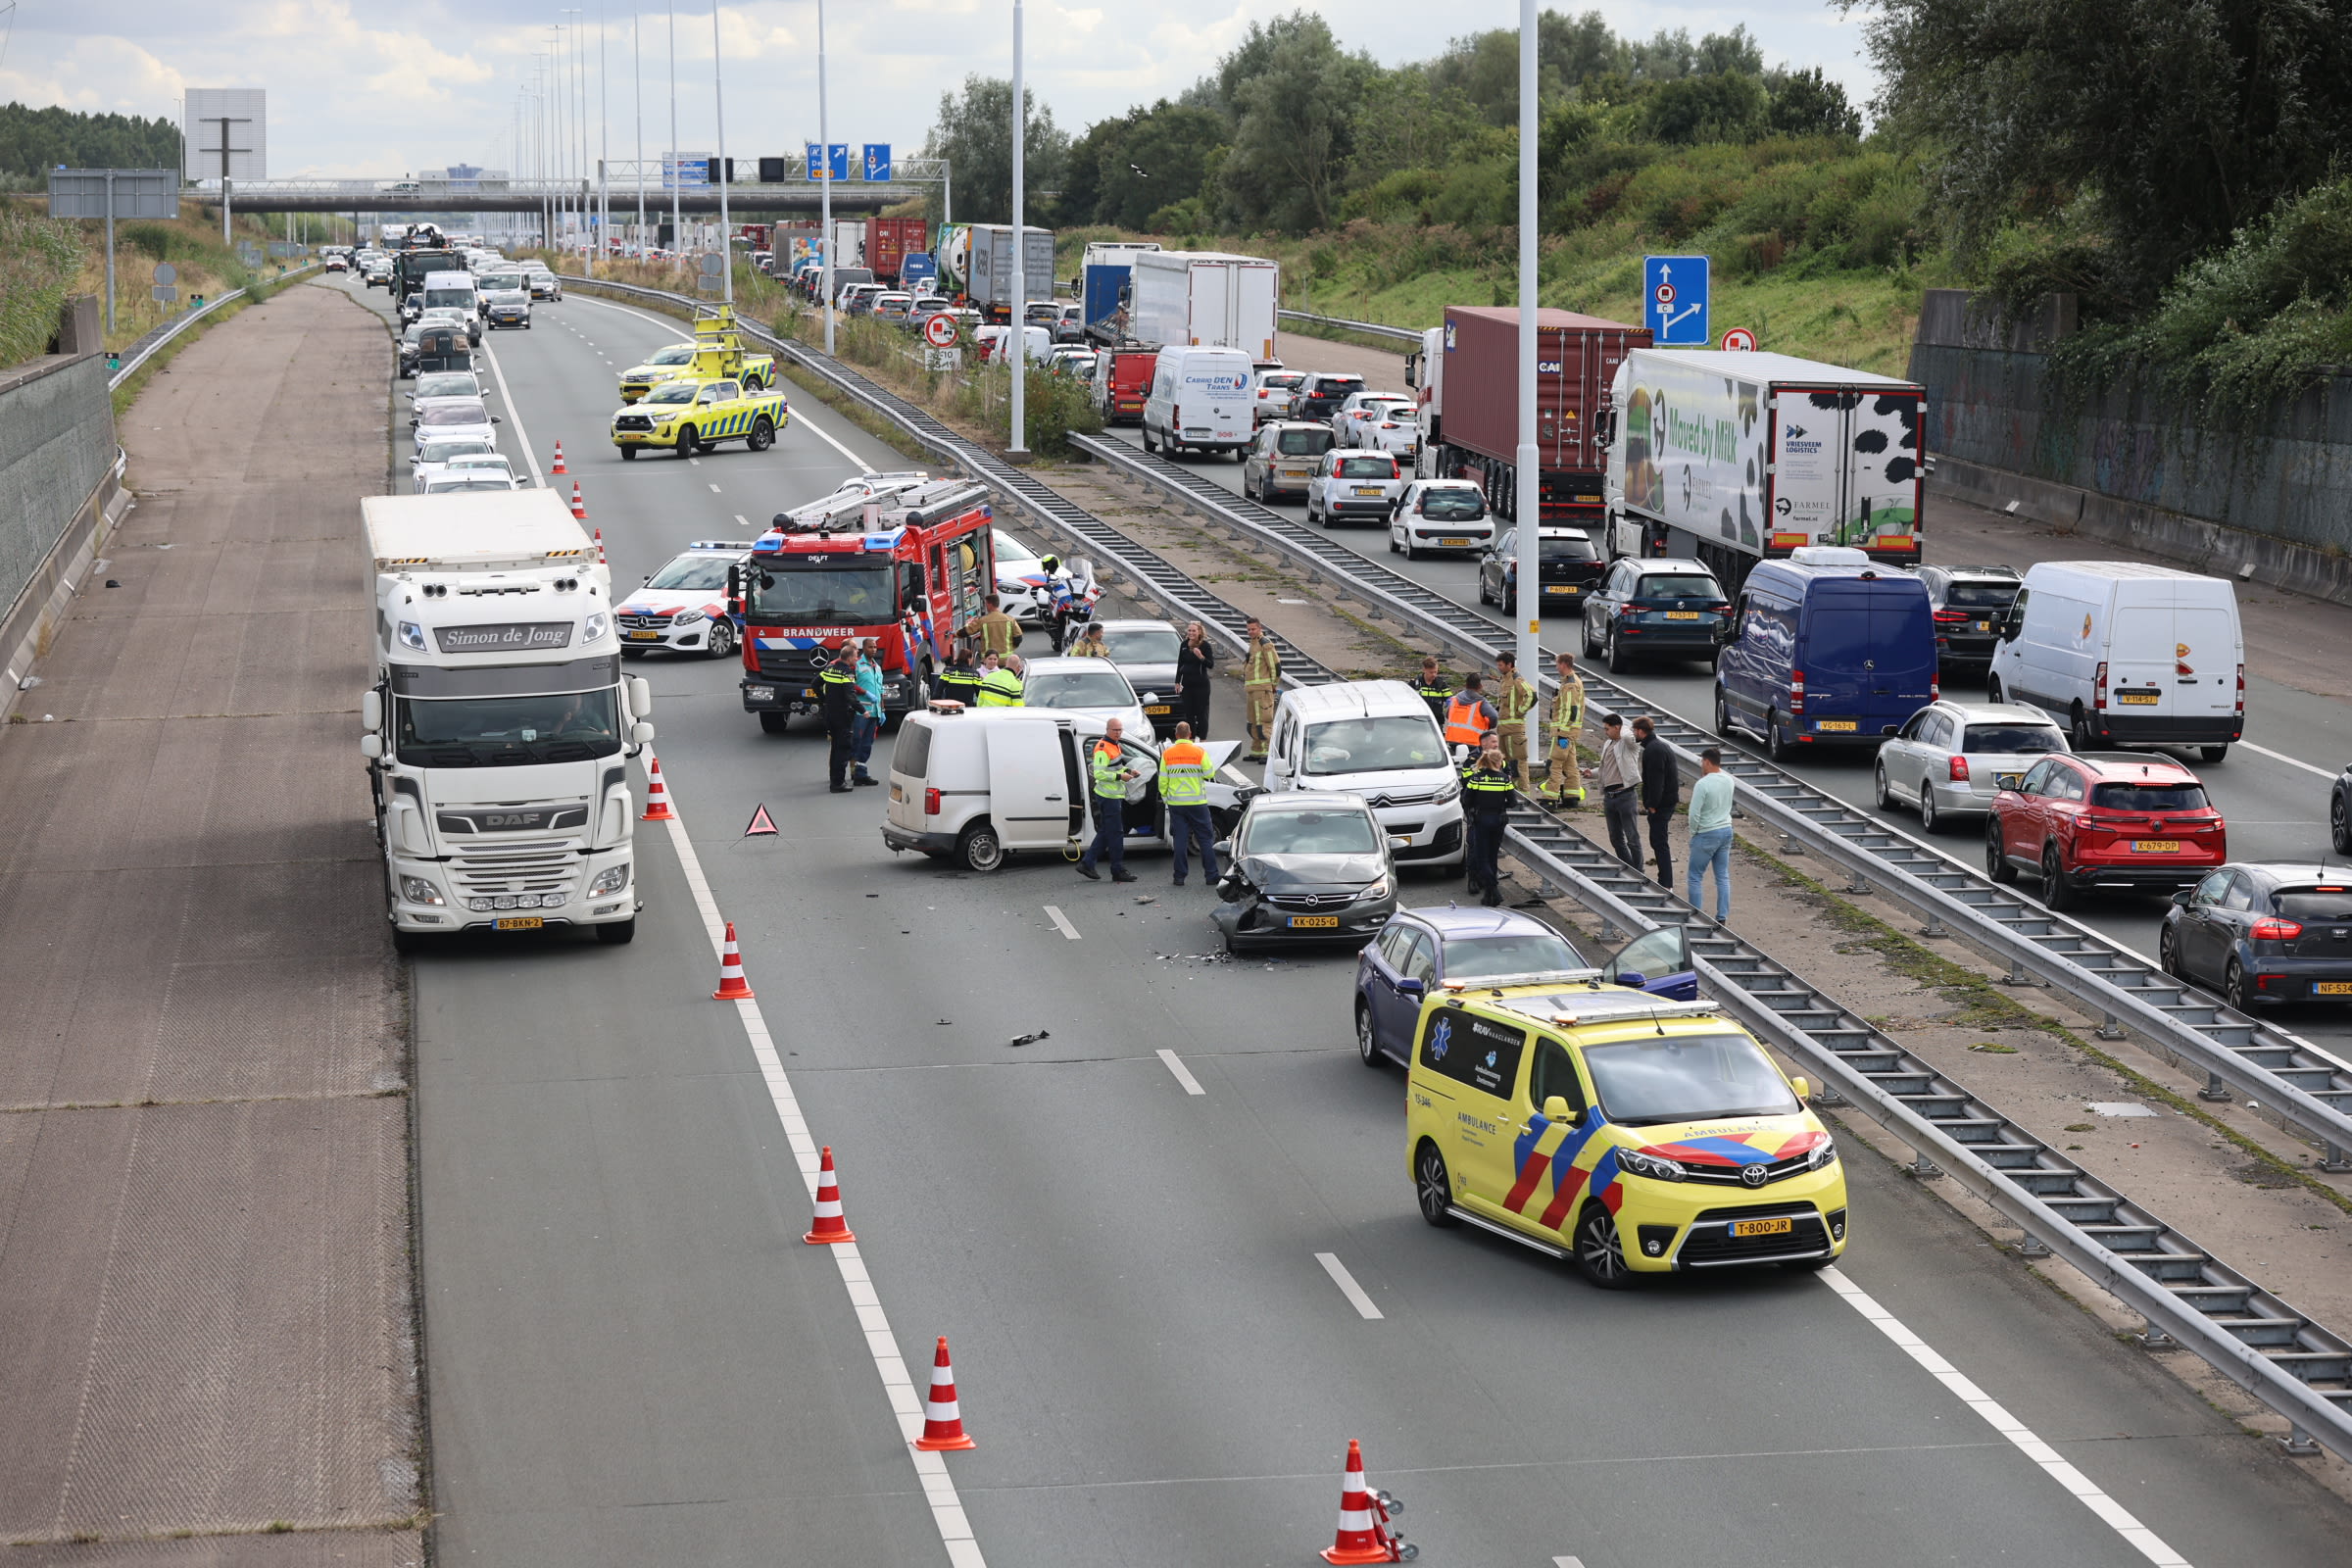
<point>890,239</point>
<point>1576,357</point>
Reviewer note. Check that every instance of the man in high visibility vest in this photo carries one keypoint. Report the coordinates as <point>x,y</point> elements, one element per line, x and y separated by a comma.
<point>999,633</point>
<point>1108,769</point>
<point>1184,788</point>
<point>1512,704</point>
<point>1564,781</point>
<point>1485,806</point>
<point>1469,717</point>
<point>1000,681</point>
<point>1432,688</point>
<point>1262,680</point>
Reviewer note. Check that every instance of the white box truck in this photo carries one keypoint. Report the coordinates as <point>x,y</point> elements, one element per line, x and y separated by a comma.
<point>1206,299</point>
<point>1734,458</point>
<point>498,725</point>
<point>988,263</point>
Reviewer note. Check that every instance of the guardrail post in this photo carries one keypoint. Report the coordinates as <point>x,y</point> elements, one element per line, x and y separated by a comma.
<point>1933,927</point>
<point>2333,1161</point>
<point>2110,1029</point>
<point>2029,1247</point>
<point>2152,1338</point>
<point>1827,1095</point>
<point>1923,1167</point>
<point>1858,884</point>
<point>2297,1443</point>
<point>2215,1090</point>
<point>1789,845</point>
<point>2017,976</point>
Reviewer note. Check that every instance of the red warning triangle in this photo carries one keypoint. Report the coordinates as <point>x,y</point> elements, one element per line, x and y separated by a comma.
<point>761,822</point>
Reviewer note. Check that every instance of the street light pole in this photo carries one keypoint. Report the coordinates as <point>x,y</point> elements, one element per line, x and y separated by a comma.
<point>637,71</point>
<point>604,144</point>
<point>1018,338</point>
<point>718,99</point>
<point>824,177</point>
<point>676,220</point>
<point>1527,510</point>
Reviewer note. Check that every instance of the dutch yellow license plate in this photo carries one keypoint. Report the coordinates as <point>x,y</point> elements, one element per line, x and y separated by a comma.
<point>1361,489</point>
<point>2136,699</point>
<point>1549,588</point>
<point>1843,725</point>
<point>1314,923</point>
<point>2332,988</point>
<point>1763,1227</point>
<point>1442,544</point>
<point>1682,615</point>
<point>2157,846</point>
<point>1156,708</point>
<point>519,922</point>
<point>643,636</point>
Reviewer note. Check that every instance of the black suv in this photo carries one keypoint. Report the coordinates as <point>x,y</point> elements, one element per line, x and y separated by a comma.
<point>1665,608</point>
<point>1566,564</point>
<point>1968,602</point>
<point>1321,394</point>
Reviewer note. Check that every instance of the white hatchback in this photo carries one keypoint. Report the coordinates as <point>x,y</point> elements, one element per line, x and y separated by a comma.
<point>1441,515</point>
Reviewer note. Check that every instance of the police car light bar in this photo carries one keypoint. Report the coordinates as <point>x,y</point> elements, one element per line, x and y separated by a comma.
<point>722,544</point>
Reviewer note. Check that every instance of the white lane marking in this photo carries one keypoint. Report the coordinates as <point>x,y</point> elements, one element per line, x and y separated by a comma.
<point>1061,922</point>
<point>669,327</point>
<point>715,488</point>
<point>817,431</point>
<point>2280,756</point>
<point>1564,1562</point>
<point>521,436</point>
<point>1184,1074</point>
<point>739,516</point>
<point>2108,1511</point>
<point>898,1385</point>
<point>1346,1284</point>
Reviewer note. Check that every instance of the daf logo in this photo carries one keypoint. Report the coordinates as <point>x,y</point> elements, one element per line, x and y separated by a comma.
<point>1754,1175</point>
<point>510,819</point>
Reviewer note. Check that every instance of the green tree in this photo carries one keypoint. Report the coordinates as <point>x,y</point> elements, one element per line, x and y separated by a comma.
<point>1162,158</point>
<point>1294,105</point>
<point>33,141</point>
<point>1410,119</point>
<point>1722,106</point>
<point>974,132</point>
<point>1805,103</point>
<point>2179,120</point>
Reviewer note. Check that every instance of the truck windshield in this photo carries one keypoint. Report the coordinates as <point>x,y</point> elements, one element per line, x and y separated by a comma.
<point>815,596</point>
<point>508,731</point>
<point>1386,745</point>
<point>1686,1078</point>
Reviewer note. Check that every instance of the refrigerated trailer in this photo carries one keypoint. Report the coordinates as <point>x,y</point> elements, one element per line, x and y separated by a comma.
<point>1734,457</point>
<point>1206,299</point>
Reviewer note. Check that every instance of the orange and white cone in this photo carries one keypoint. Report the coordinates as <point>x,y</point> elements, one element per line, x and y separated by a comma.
<point>657,794</point>
<point>943,1418</point>
<point>599,548</point>
<point>579,507</point>
<point>828,1225</point>
<point>1361,1537</point>
<point>732,986</point>
<point>559,465</point>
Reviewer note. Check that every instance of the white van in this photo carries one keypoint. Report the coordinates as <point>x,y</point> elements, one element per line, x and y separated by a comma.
<point>1201,399</point>
<point>452,290</point>
<point>2120,653</point>
<point>1375,739</point>
<point>972,785</point>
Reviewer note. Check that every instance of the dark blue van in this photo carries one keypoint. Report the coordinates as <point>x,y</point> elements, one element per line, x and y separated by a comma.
<point>1822,655</point>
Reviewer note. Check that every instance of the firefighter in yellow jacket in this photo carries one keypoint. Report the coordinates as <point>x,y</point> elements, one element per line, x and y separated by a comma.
<point>1564,783</point>
<point>1261,681</point>
<point>1514,699</point>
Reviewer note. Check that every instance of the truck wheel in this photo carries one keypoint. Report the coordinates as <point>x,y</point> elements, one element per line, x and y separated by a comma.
<point>619,934</point>
<point>628,454</point>
<point>978,849</point>
<point>2213,754</point>
<point>762,436</point>
<point>410,941</point>
<point>686,441</point>
<point>774,723</point>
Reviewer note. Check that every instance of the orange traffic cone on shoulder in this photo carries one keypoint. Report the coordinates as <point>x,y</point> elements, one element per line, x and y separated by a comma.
<point>828,1225</point>
<point>943,1418</point>
<point>657,794</point>
<point>579,507</point>
<point>599,548</point>
<point>1363,1534</point>
<point>732,986</point>
<point>558,465</point>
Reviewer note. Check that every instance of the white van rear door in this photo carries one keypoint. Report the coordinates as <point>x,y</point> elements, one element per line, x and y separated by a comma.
<point>2139,660</point>
<point>2205,659</point>
<point>1028,786</point>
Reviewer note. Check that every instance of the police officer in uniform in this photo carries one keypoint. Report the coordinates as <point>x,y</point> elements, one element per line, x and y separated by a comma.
<point>1184,789</point>
<point>1564,782</point>
<point>838,689</point>
<point>1469,717</point>
<point>1261,681</point>
<point>1515,701</point>
<point>1486,805</point>
<point>999,633</point>
<point>1432,688</point>
<point>1000,683</point>
<point>1107,766</point>
<point>959,680</point>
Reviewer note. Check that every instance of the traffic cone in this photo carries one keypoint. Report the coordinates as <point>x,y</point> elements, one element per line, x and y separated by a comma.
<point>599,548</point>
<point>579,507</point>
<point>657,794</point>
<point>558,467</point>
<point>732,986</point>
<point>828,1225</point>
<point>943,1418</point>
<point>1360,1535</point>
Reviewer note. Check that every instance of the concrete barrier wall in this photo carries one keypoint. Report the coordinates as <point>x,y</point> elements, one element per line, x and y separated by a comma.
<point>57,485</point>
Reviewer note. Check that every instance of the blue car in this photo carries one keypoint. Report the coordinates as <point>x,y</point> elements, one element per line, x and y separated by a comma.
<point>1419,951</point>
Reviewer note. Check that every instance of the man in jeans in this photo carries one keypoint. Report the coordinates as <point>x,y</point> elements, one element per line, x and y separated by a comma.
<point>1620,774</point>
<point>1661,793</point>
<point>1711,835</point>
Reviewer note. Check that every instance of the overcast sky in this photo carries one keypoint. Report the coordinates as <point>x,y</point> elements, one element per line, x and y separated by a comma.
<point>386,89</point>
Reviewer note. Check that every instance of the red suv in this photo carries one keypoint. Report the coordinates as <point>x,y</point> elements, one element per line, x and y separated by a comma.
<point>2104,820</point>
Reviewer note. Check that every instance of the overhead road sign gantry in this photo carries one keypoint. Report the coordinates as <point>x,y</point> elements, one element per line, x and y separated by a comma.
<point>1674,300</point>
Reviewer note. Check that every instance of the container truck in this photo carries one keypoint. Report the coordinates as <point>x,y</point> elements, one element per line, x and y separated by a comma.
<point>890,240</point>
<point>1467,380</point>
<point>1206,299</point>
<point>988,268</point>
<point>1734,457</point>
<point>498,727</point>
<point>1102,285</point>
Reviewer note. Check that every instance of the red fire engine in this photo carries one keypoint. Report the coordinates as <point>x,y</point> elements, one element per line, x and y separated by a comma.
<point>903,558</point>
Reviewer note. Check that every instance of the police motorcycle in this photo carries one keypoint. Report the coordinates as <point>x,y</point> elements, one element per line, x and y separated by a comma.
<point>1065,601</point>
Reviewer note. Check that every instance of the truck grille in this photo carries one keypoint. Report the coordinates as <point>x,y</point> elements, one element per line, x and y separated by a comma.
<point>633,422</point>
<point>789,664</point>
<point>513,871</point>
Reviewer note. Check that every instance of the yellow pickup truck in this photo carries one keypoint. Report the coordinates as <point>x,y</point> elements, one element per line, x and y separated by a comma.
<point>715,354</point>
<point>686,416</point>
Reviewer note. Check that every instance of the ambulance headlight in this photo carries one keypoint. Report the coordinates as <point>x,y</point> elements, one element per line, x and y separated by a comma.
<point>1654,1167</point>
<point>411,635</point>
<point>1824,1155</point>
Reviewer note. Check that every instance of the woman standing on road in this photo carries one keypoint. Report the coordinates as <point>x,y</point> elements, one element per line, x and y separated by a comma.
<point>1196,662</point>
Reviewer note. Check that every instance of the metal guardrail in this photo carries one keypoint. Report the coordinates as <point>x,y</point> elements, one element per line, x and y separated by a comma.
<point>1368,328</point>
<point>140,352</point>
<point>2285,1076</point>
<point>2187,1295</point>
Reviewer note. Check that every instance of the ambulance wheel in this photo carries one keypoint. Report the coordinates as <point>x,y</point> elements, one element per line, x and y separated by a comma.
<point>686,441</point>
<point>1599,1252</point>
<point>628,454</point>
<point>723,638</point>
<point>619,934</point>
<point>762,436</point>
<point>774,723</point>
<point>1433,1189</point>
<point>979,849</point>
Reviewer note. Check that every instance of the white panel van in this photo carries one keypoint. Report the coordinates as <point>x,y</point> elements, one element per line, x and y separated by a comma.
<point>2125,653</point>
<point>1201,399</point>
<point>1375,739</point>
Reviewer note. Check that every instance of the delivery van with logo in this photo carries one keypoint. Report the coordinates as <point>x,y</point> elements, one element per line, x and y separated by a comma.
<point>1200,400</point>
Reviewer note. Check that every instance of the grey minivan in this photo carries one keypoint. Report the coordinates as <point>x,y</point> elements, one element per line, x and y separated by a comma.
<point>1280,459</point>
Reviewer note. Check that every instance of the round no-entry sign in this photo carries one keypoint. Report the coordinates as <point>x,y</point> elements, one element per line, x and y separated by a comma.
<point>940,331</point>
<point>1740,337</point>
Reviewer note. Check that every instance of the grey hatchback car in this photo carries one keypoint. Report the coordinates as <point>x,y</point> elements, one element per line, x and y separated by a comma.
<point>1306,867</point>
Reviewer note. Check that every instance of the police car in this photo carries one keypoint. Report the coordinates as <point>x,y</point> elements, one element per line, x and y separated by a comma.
<point>687,416</point>
<point>682,609</point>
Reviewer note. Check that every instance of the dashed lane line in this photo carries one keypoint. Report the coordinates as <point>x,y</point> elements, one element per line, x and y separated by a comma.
<point>1061,922</point>
<point>1184,1074</point>
<point>2280,756</point>
<point>1345,1280</point>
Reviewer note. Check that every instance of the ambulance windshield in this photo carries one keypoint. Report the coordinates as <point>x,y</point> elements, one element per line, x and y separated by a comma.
<point>850,594</point>
<point>1663,1078</point>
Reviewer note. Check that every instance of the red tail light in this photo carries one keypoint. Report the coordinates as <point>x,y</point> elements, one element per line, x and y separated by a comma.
<point>1796,691</point>
<point>2099,697</point>
<point>2270,928</point>
<point>1261,394</point>
<point>1959,770</point>
<point>1936,687</point>
<point>2180,667</point>
<point>2241,690</point>
<point>930,802</point>
<point>1951,618</point>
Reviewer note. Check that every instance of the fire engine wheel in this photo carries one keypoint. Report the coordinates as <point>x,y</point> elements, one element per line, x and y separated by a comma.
<point>629,453</point>
<point>686,441</point>
<point>774,723</point>
<point>762,436</point>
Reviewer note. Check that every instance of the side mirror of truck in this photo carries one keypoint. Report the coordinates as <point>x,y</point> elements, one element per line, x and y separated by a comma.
<point>641,697</point>
<point>641,733</point>
<point>372,746</point>
<point>371,711</point>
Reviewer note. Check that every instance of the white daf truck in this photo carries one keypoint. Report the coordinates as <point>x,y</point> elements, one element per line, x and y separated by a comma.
<point>499,726</point>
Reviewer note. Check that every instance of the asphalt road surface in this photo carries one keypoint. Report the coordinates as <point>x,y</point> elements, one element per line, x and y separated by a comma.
<point>633,1358</point>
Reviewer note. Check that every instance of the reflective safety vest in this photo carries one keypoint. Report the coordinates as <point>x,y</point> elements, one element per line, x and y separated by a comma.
<point>1466,721</point>
<point>1184,774</point>
<point>1083,648</point>
<point>1108,763</point>
<point>962,684</point>
<point>1437,697</point>
<point>1484,793</point>
<point>839,690</point>
<point>1002,689</point>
